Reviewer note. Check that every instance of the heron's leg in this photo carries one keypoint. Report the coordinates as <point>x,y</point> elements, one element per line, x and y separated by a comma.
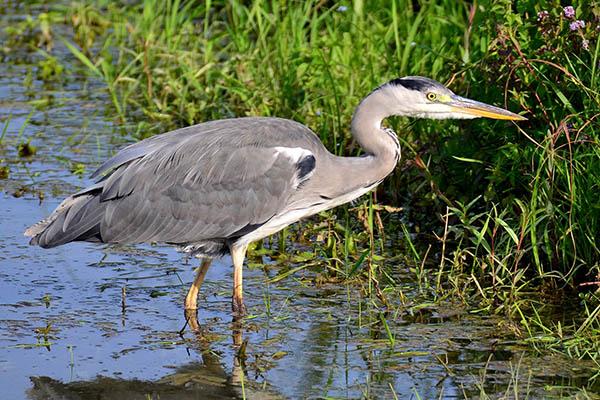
<point>237,304</point>
<point>191,300</point>
<point>191,320</point>
<point>239,361</point>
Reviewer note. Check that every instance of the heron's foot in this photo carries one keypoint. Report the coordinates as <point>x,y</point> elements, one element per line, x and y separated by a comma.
<point>238,308</point>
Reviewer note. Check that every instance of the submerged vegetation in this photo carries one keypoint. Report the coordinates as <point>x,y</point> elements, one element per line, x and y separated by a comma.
<point>496,218</point>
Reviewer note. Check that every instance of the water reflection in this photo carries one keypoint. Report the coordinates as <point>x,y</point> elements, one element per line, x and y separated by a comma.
<point>189,387</point>
<point>206,379</point>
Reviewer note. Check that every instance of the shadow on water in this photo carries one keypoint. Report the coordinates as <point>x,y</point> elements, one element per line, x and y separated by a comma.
<point>116,389</point>
<point>206,379</point>
<point>65,335</point>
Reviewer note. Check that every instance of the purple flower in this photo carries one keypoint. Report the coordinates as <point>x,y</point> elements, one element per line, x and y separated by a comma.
<point>579,24</point>
<point>542,15</point>
<point>569,11</point>
<point>585,44</point>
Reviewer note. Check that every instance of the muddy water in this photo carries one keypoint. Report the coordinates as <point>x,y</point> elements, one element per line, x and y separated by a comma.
<point>64,332</point>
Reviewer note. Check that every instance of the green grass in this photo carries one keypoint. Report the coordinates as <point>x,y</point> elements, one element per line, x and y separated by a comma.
<point>503,217</point>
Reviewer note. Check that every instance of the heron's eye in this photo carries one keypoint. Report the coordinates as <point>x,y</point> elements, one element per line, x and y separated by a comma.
<point>431,96</point>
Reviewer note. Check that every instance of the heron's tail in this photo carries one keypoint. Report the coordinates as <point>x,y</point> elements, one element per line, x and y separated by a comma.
<point>77,218</point>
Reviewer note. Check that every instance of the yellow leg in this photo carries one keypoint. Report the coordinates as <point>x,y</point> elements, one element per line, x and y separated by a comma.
<point>191,300</point>
<point>191,317</point>
<point>237,304</point>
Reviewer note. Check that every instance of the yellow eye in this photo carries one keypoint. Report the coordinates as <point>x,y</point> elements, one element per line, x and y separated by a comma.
<point>431,96</point>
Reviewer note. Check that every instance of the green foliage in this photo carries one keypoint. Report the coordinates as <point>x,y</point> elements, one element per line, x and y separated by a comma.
<point>49,69</point>
<point>183,62</point>
<point>33,33</point>
<point>26,149</point>
<point>4,171</point>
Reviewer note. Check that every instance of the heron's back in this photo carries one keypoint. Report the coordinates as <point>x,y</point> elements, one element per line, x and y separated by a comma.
<point>201,186</point>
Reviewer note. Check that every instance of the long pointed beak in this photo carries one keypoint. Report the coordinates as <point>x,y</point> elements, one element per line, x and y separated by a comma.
<point>479,109</point>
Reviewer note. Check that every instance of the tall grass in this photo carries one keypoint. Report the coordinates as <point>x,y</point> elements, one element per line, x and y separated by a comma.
<point>516,209</point>
<point>183,62</point>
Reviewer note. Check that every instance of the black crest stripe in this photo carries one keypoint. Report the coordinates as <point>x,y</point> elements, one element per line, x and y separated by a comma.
<point>412,84</point>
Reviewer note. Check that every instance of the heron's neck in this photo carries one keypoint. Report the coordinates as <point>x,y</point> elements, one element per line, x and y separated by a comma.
<point>377,141</point>
<point>380,145</point>
<point>349,177</point>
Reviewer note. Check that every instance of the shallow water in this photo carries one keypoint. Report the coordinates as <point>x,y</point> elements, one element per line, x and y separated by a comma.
<point>64,332</point>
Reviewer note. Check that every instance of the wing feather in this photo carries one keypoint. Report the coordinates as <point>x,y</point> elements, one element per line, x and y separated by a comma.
<point>205,186</point>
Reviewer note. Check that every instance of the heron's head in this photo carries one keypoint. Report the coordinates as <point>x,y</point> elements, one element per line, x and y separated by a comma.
<point>416,96</point>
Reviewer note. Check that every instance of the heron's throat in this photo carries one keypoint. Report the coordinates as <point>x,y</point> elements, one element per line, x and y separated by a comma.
<point>368,131</point>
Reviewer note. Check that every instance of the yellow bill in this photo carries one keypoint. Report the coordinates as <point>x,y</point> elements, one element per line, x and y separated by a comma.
<point>478,109</point>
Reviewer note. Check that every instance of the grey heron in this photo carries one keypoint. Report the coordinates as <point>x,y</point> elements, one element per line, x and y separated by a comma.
<point>215,187</point>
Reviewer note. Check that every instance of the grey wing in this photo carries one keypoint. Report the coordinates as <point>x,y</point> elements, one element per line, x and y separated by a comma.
<point>203,187</point>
